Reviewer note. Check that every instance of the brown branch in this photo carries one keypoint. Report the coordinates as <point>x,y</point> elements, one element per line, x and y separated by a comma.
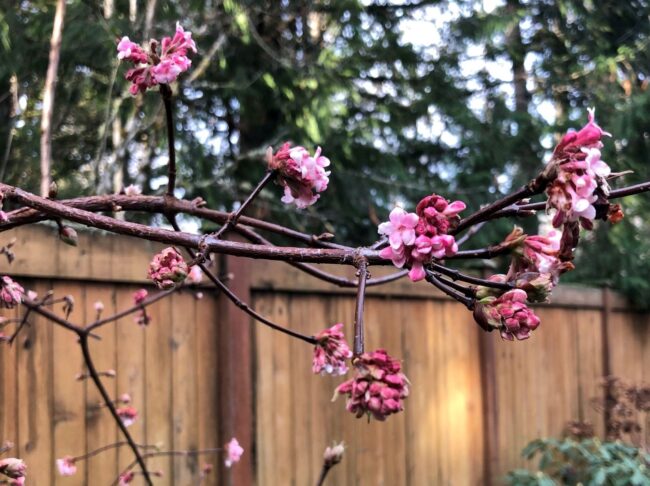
<point>456,275</point>
<point>362,274</point>
<point>159,204</point>
<point>83,342</point>
<point>108,447</point>
<point>237,301</point>
<point>434,280</point>
<point>320,274</point>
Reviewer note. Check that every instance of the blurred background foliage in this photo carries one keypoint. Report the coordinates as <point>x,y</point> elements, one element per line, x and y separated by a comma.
<point>462,98</point>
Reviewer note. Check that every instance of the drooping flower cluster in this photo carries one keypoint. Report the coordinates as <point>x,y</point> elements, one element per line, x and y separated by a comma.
<point>66,466</point>
<point>331,351</point>
<point>378,388</point>
<point>13,468</point>
<point>415,238</point>
<point>233,452</point>
<point>167,268</point>
<point>304,177</point>
<point>507,313</point>
<point>127,414</point>
<point>154,68</point>
<point>11,293</point>
<point>580,172</point>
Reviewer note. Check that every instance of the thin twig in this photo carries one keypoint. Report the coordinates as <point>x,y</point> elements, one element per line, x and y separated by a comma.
<point>362,274</point>
<point>456,275</point>
<point>83,342</point>
<point>434,280</point>
<point>236,300</point>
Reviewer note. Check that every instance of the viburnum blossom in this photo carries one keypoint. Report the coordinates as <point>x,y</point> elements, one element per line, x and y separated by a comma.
<point>11,293</point>
<point>331,351</point>
<point>508,313</point>
<point>167,268</point>
<point>580,173</point>
<point>66,466</point>
<point>139,296</point>
<point>304,177</point>
<point>127,415</point>
<point>156,68</point>
<point>415,238</point>
<point>378,387</point>
<point>233,452</point>
<point>132,190</point>
<point>536,254</point>
<point>12,467</point>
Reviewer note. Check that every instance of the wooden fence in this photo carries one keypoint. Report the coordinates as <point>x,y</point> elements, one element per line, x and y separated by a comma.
<point>202,372</point>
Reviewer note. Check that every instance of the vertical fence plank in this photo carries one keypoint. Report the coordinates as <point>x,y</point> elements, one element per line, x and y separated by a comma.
<point>158,388</point>
<point>9,384</point>
<point>35,397</point>
<point>69,393</point>
<point>101,429</point>
<point>185,397</point>
<point>207,371</point>
<point>130,361</point>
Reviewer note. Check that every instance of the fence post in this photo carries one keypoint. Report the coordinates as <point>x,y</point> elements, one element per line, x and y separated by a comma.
<point>489,408</point>
<point>606,307</point>
<point>235,373</point>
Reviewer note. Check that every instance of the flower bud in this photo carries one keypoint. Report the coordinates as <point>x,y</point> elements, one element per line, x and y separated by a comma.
<point>68,236</point>
<point>333,455</point>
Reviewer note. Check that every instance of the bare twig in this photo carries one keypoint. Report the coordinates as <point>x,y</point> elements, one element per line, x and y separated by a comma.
<point>362,274</point>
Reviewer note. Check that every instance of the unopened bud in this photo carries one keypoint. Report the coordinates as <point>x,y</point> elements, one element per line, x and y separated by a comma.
<point>68,235</point>
<point>333,455</point>
<point>13,467</point>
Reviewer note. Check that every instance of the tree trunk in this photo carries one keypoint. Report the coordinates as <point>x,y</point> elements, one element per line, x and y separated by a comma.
<point>48,98</point>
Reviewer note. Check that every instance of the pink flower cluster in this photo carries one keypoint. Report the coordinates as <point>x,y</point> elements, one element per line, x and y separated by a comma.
<point>66,466</point>
<point>153,68</point>
<point>127,414</point>
<point>233,452</point>
<point>11,293</point>
<point>508,313</point>
<point>580,173</point>
<point>415,238</point>
<point>167,268</point>
<point>126,478</point>
<point>331,351</point>
<point>378,387</point>
<point>13,468</point>
<point>302,175</point>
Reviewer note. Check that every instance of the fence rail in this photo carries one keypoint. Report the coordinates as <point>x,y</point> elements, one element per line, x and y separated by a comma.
<point>202,372</point>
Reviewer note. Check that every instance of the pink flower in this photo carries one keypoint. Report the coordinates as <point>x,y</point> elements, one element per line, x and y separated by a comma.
<point>127,415</point>
<point>99,306</point>
<point>194,276</point>
<point>11,293</point>
<point>3,217</point>
<point>331,351</point>
<point>302,175</point>
<point>378,388</point>
<point>31,295</point>
<point>233,452</point>
<point>416,238</point>
<point>66,466</point>
<point>154,69</point>
<point>17,481</point>
<point>130,51</point>
<point>13,467</point>
<point>580,173</point>
<point>139,296</point>
<point>126,478</point>
<point>167,268</point>
<point>507,313</point>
